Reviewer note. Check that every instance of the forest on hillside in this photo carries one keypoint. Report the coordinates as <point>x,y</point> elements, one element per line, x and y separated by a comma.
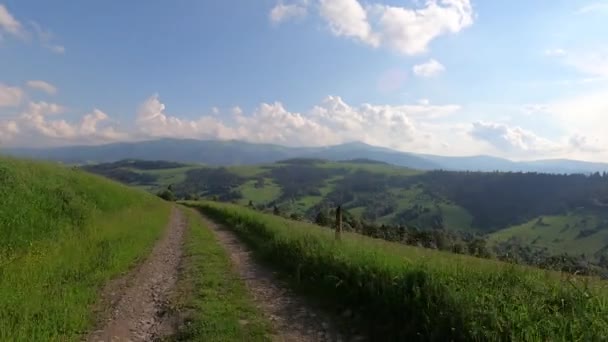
<point>538,215</point>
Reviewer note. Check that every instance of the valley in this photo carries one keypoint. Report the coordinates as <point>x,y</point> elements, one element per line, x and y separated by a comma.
<point>554,214</point>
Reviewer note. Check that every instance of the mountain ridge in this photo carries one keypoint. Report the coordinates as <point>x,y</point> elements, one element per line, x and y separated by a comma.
<point>235,152</point>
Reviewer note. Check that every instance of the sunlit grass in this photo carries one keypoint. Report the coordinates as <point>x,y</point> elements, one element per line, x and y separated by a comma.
<point>63,234</point>
<point>404,292</point>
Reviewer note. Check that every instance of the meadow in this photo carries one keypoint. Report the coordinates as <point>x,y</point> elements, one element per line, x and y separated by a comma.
<point>397,292</point>
<point>63,234</point>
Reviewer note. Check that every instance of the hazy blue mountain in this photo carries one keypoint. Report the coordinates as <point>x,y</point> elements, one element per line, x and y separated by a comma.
<point>357,150</point>
<point>213,152</point>
<point>210,152</point>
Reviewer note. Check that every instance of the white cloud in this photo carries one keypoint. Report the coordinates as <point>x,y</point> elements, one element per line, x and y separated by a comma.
<point>586,112</point>
<point>579,142</point>
<point>555,52</point>
<point>512,139</point>
<point>332,121</point>
<point>8,130</point>
<point>429,69</point>
<point>594,7</point>
<point>13,27</point>
<point>408,31</point>
<point>37,125</point>
<point>536,108</point>
<point>349,19</point>
<point>593,63</point>
<point>46,38</point>
<point>10,96</point>
<point>9,24</point>
<point>43,86</point>
<point>282,12</point>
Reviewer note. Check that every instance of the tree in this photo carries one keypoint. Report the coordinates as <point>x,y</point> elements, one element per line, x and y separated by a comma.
<point>167,195</point>
<point>276,211</point>
<point>477,247</point>
<point>322,219</point>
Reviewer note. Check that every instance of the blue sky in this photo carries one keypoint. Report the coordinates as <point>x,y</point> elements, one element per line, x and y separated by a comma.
<point>518,79</point>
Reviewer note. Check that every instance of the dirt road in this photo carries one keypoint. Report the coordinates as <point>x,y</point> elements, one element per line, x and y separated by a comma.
<point>292,318</point>
<point>138,300</point>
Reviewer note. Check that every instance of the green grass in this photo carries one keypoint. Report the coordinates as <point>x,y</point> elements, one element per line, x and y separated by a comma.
<point>560,233</point>
<point>167,177</point>
<point>456,217</point>
<point>269,192</point>
<point>403,292</point>
<point>213,298</point>
<point>63,234</point>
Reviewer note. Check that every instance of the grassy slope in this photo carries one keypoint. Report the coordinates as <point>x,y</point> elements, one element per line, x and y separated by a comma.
<point>560,233</point>
<point>64,233</point>
<point>404,292</point>
<point>267,193</point>
<point>214,300</point>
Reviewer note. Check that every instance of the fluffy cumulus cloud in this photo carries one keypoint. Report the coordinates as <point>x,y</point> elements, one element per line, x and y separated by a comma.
<point>407,31</point>
<point>282,11</point>
<point>42,86</point>
<point>512,139</point>
<point>332,121</point>
<point>429,69</point>
<point>40,124</point>
<point>348,18</point>
<point>10,96</point>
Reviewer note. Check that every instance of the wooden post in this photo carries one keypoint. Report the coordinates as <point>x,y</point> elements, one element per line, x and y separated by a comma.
<point>339,223</point>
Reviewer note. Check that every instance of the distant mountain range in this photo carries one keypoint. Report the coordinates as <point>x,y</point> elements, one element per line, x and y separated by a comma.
<point>224,153</point>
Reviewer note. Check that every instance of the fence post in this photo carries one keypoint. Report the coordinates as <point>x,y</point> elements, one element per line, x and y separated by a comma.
<point>339,223</point>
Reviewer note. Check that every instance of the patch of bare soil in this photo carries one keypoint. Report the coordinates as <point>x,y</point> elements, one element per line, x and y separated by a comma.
<point>292,317</point>
<point>139,300</point>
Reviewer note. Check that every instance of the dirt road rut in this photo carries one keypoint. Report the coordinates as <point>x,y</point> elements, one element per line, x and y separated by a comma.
<point>138,300</point>
<point>292,317</point>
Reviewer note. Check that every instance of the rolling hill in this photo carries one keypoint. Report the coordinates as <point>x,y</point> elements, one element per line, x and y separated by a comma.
<point>571,209</point>
<point>63,234</point>
<point>226,153</point>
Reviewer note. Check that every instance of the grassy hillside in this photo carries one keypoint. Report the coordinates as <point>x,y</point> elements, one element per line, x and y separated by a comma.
<point>505,205</point>
<point>581,231</point>
<point>398,292</point>
<point>63,234</point>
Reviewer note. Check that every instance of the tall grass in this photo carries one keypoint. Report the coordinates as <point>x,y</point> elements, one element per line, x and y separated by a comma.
<point>407,293</point>
<point>63,234</point>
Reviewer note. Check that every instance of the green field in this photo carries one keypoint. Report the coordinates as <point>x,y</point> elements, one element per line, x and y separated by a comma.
<point>63,234</point>
<point>402,292</point>
<point>268,192</point>
<point>210,297</point>
<point>576,232</point>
